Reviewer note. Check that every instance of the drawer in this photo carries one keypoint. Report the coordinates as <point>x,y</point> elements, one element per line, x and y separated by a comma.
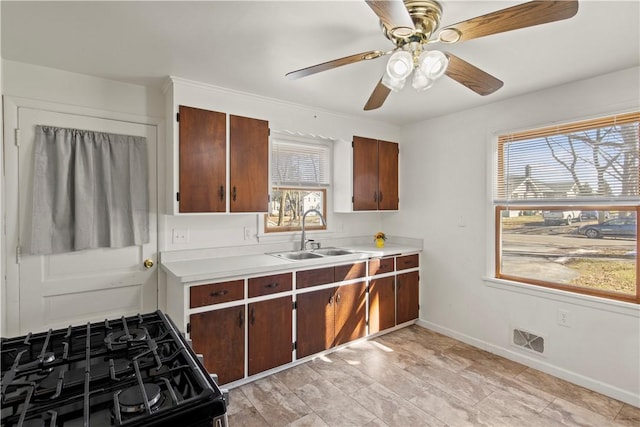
<point>349,271</point>
<point>267,285</point>
<point>407,261</point>
<point>380,266</point>
<point>215,293</point>
<point>319,276</point>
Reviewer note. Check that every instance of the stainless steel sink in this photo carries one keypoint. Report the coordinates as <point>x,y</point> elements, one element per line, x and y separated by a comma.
<point>332,251</point>
<point>312,254</point>
<point>298,255</point>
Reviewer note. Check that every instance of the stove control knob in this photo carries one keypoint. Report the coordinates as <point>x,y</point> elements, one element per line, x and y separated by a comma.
<point>148,263</point>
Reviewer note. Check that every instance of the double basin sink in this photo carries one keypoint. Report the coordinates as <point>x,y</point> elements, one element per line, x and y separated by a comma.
<point>312,254</point>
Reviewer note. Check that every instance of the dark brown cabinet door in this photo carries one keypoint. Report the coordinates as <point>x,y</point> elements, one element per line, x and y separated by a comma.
<point>219,336</point>
<point>407,296</point>
<point>315,321</point>
<point>365,174</point>
<point>388,175</point>
<point>270,340</point>
<point>375,174</point>
<point>350,316</point>
<point>248,164</point>
<point>382,304</point>
<point>203,160</point>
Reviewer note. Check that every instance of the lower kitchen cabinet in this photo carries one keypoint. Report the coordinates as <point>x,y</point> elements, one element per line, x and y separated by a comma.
<point>382,304</point>
<point>350,313</point>
<point>315,321</point>
<point>224,354</point>
<point>330,317</point>
<point>269,334</point>
<point>407,296</point>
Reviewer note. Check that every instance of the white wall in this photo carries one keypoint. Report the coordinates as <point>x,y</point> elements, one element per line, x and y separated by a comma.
<point>601,350</point>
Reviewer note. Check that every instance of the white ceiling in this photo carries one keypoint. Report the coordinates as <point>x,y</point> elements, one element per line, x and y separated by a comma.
<point>250,45</point>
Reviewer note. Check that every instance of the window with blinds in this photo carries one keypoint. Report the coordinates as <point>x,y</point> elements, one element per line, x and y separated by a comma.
<point>567,198</point>
<point>300,178</point>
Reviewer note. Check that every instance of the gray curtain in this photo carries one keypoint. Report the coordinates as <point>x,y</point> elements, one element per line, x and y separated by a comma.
<point>90,190</point>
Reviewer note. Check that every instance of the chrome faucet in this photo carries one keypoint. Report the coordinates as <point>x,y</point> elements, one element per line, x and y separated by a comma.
<point>303,242</point>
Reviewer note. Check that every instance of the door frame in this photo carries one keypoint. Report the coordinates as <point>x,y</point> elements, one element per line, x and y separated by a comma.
<point>10,305</point>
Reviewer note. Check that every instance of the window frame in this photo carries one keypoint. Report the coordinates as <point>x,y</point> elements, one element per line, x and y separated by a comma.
<point>626,203</point>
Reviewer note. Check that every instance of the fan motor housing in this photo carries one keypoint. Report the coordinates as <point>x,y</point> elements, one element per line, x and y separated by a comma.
<point>425,15</point>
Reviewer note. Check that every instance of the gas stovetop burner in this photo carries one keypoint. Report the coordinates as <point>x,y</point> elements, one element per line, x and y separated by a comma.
<point>132,400</point>
<point>123,337</point>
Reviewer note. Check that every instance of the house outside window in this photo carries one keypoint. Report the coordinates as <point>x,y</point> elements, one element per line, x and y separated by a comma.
<point>300,180</point>
<point>566,201</point>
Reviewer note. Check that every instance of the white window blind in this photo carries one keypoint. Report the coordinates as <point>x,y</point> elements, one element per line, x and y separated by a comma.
<point>591,161</point>
<point>300,163</point>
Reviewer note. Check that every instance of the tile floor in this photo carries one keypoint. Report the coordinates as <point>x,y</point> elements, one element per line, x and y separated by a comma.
<point>416,377</point>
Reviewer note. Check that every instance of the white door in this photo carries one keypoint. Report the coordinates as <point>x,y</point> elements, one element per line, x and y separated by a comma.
<point>91,285</point>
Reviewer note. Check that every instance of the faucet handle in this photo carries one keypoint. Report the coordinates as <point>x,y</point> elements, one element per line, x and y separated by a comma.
<point>314,245</point>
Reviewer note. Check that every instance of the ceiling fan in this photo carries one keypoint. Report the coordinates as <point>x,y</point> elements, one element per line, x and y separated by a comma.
<point>410,25</point>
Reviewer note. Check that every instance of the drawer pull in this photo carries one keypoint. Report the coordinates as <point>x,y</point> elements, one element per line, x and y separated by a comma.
<point>219,293</point>
<point>271,285</point>
<point>241,318</point>
<point>253,316</point>
<point>337,298</point>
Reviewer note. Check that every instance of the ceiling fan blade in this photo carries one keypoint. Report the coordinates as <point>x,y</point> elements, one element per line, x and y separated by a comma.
<point>372,54</point>
<point>378,96</point>
<point>393,14</point>
<point>512,18</point>
<point>472,77</point>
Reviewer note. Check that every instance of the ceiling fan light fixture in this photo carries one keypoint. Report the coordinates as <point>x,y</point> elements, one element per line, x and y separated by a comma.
<point>420,81</point>
<point>400,65</point>
<point>433,63</point>
<point>395,85</point>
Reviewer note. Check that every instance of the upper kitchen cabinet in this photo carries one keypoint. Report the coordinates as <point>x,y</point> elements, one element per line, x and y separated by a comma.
<point>203,165</point>
<point>204,185</point>
<point>366,176</point>
<point>249,164</point>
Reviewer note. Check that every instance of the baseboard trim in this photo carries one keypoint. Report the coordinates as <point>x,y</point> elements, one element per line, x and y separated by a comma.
<point>541,365</point>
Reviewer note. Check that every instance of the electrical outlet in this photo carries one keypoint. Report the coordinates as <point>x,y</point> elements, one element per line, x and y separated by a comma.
<point>564,318</point>
<point>180,235</point>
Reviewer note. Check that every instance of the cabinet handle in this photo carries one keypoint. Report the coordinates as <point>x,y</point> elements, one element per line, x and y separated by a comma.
<point>271,285</point>
<point>219,293</point>
<point>331,301</point>
<point>381,197</point>
<point>253,316</point>
<point>233,196</point>
<point>375,196</point>
<point>337,298</point>
<point>241,317</point>
<point>221,193</point>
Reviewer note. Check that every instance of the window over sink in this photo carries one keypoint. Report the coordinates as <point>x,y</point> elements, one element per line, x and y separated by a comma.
<point>300,180</point>
<point>567,199</point>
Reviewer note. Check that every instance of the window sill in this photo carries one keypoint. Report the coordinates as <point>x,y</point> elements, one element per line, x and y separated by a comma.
<point>620,307</point>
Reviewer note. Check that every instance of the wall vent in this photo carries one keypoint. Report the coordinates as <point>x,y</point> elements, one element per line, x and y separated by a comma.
<point>528,340</point>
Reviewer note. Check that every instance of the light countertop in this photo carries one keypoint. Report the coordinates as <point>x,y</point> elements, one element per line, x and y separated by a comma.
<point>214,268</point>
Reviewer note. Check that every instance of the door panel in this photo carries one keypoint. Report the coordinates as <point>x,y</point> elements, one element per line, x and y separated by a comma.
<point>350,313</point>
<point>203,160</point>
<point>388,178</point>
<point>248,164</point>
<point>90,285</point>
<point>224,353</point>
<point>407,297</point>
<point>365,174</point>
<point>382,304</point>
<point>315,321</point>
<point>270,339</point>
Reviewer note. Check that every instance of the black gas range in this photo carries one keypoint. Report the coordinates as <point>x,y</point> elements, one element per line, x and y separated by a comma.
<point>132,371</point>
